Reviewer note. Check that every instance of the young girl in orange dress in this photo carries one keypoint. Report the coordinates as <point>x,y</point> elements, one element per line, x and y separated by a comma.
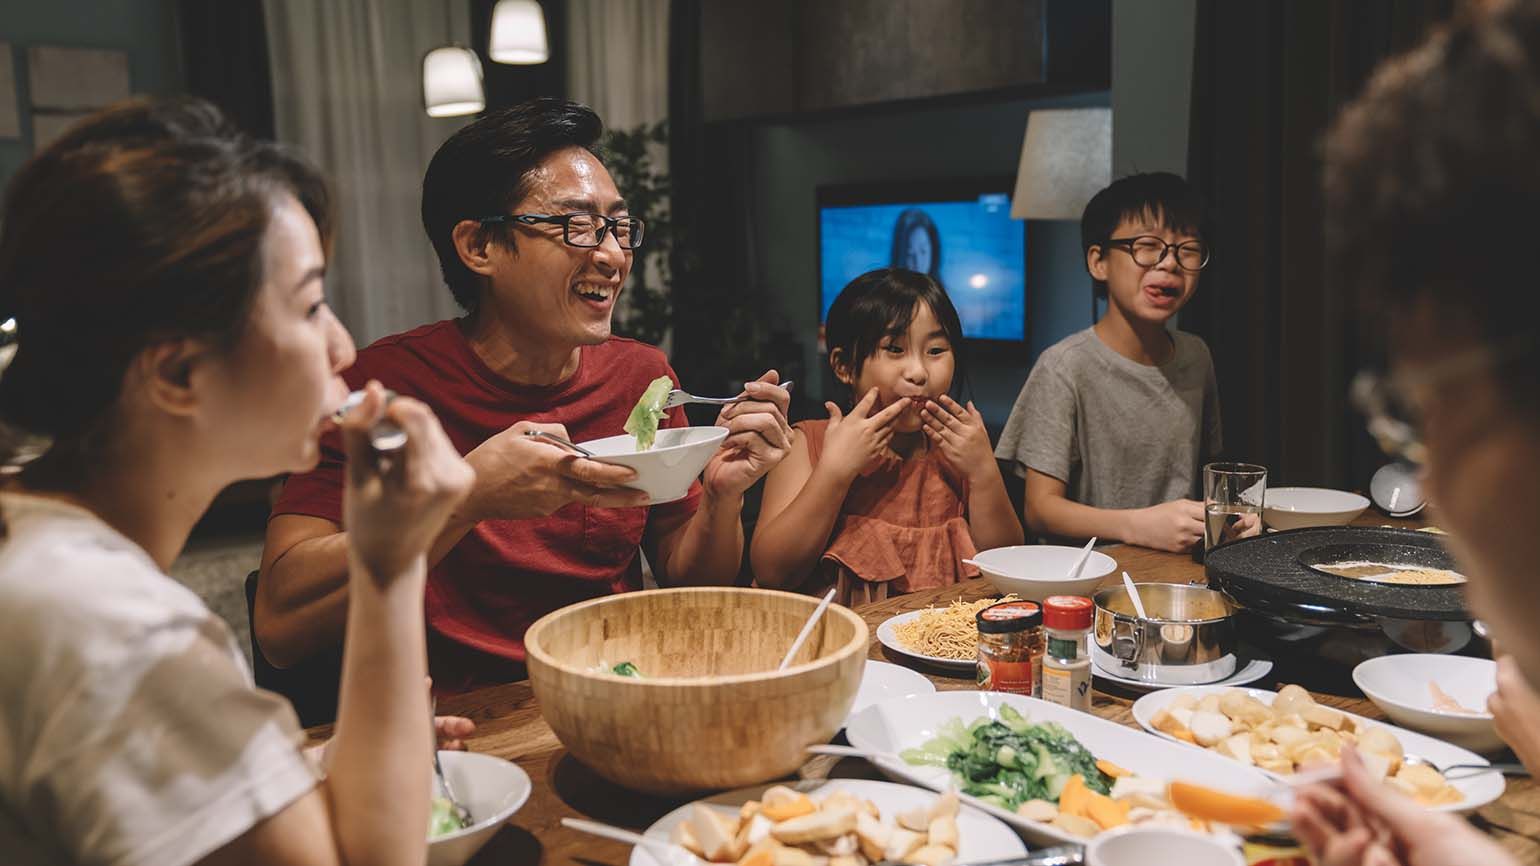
<point>889,497</point>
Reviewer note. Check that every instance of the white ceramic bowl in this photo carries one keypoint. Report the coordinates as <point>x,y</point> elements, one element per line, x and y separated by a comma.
<point>1036,571</point>
<point>1299,507</point>
<point>665,470</point>
<point>1398,685</point>
<point>491,789</point>
<point>1160,846</point>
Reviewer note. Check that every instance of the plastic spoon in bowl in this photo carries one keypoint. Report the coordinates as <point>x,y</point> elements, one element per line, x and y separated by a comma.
<point>1133,593</point>
<point>1085,554</point>
<point>667,852</point>
<point>807,629</point>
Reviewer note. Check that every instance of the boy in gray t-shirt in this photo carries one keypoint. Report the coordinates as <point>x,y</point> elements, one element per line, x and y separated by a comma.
<point>1115,423</point>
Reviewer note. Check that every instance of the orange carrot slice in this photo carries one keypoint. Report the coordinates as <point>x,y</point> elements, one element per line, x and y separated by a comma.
<point>1196,801</point>
<point>1111,769</point>
<point>1105,811</point>
<point>1073,799</point>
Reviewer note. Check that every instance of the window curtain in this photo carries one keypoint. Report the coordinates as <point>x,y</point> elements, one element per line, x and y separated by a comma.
<point>1268,77</point>
<point>347,90</point>
<point>617,59</point>
<point>617,63</point>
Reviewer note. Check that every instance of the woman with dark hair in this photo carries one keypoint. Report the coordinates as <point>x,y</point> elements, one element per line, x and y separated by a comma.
<point>890,497</point>
<point>917,244</point>
<point>1431,192</point>
<point>165,274</point>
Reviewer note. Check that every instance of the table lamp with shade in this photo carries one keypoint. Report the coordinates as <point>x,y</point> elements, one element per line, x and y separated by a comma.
<point>1066,158</point>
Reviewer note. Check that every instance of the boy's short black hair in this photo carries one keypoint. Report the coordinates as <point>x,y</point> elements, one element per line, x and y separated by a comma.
<point>1432,188</point>
<point>1160,195</point>
<point>485,169</point>
<point>882,303</point>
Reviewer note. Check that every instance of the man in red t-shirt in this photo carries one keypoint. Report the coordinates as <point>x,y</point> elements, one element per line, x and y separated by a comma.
<point>535,243</point>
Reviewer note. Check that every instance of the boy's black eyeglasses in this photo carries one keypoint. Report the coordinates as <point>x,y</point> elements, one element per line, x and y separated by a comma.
<point>585,230</point>
<point>1149,251</point>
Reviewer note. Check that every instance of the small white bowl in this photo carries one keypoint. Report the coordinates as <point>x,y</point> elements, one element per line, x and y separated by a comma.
<point>491,789</point>
<point>1398,685</point>
<point>1161,846</point>
<point>1036,571</point>
<point>1299,507</point>
<point>665,470</point>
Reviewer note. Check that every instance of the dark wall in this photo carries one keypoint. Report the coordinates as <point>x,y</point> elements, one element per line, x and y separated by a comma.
<point>145,29</point>
<point>792,159</point>
<point>809,55</point>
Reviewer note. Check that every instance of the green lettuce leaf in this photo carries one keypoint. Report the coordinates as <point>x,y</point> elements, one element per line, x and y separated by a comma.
<point>643,423</point>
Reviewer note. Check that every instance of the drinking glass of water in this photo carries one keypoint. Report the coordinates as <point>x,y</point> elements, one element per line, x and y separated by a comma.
<point>1232,502</point>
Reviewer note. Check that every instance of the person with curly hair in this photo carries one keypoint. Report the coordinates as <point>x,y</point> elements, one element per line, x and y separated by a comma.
<point>1432,208</point>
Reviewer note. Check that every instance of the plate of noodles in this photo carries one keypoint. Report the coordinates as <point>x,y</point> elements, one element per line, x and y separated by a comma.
<point>946,637</point>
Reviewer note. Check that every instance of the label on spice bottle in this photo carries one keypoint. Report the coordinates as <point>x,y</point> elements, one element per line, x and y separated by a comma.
<point>1018,678</point>
<point>1068,685</point>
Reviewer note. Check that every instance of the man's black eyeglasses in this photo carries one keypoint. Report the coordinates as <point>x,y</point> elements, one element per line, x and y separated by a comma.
<point>585,230</point>
<point>1149,251</point>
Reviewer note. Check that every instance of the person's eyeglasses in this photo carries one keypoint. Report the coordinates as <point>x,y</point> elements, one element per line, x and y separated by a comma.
<point>585,230</point>
<point>1149,251</point>
<point>1390,403</point>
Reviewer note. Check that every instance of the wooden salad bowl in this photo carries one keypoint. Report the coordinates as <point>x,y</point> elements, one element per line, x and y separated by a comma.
<point>710,711</point>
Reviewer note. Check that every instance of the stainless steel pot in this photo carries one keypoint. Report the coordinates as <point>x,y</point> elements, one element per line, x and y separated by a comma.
<point>1188,639</point>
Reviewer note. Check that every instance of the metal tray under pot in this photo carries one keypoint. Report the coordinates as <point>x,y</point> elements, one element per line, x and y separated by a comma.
<point>1286,605</point>
<point>1188,637</point>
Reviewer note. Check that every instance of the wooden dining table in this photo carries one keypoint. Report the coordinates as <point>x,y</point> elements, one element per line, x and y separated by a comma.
<point>509,725</point>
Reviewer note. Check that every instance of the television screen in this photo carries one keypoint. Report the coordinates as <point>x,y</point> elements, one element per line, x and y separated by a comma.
<point>965,238</point>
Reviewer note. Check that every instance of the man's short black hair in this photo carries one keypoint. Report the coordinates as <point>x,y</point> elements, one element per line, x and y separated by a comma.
<point>484,169</point>
<point>1433,186</point>
<point>1161,196</point>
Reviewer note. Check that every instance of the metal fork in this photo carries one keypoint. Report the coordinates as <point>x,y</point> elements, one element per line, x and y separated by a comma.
<point>677,397</point>
<point>557,440</point>
<point>461,812</point>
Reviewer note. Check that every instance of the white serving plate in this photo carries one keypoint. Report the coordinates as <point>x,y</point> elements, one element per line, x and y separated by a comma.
<point>1248,670</point>
<point>1479,790</point>
<point>980,837</point>
<point>882,681</point>
<point>904,723</point>
<point>1398,685</point>
<point>889,638</point>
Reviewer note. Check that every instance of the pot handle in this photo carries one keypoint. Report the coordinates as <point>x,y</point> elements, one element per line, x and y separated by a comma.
<point>1127,641</point>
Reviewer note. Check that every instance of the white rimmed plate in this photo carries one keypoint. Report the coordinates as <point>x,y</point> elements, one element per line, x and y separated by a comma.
<point>1248,670</point>
<point>888,637</point>
<point>1479,789</point>
<point>883,681</point>
<point>980,837</point>
<point>905,723</point>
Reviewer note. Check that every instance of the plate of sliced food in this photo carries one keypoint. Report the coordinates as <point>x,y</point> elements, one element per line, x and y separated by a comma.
<point>1282,732</point>
<point>946,637</point>
<point>837,822</point>
<point>1056,774</point>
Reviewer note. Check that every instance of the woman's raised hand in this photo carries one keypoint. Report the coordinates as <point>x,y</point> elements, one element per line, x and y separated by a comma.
<point>395,505</point>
